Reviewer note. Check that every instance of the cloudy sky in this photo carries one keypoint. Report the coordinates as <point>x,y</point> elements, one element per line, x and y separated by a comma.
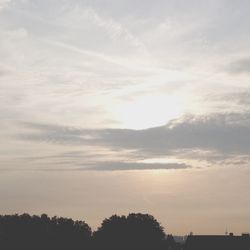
<point>118,106</point>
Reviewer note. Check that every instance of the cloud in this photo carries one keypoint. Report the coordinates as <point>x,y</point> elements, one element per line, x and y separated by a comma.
<point>226,134</point>
<point>4,4</point>
<point>124,166</point>
<point>233,100</point>
<point>60,73</point>
<point>2,72</point>
<point>114,29</point>
<point>241,66</point>
<point>241,98</point>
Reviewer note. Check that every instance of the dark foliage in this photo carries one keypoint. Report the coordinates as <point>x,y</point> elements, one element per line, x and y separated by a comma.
<point>25,232</point>
<point>134,232</point>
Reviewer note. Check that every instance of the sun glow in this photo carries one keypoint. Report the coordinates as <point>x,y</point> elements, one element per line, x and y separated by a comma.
<point>148,111</point>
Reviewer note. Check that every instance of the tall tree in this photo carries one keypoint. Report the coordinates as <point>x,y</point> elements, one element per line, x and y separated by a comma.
<point>134,232</point>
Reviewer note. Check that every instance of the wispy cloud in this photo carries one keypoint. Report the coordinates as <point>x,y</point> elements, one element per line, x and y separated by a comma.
<point>4,3</point>
<point>55,70</point>
<point>241,66</point>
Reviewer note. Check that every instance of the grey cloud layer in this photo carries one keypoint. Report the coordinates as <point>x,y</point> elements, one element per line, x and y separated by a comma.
<point>226,134</point>
<point>123,166</point>
<point>239,67</point>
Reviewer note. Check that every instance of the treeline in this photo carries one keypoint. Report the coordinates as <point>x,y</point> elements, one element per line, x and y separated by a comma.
<point>132,232</point>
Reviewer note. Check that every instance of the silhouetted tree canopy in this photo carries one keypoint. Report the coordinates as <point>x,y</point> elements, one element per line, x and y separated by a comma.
<point>136,231</point>
<point>132,232</point>
<point>25,232</point>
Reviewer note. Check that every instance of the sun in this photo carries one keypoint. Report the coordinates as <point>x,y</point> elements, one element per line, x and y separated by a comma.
<point>148,111</point>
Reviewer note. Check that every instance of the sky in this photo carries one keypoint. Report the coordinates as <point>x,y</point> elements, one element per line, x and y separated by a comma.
<point>118,106</point>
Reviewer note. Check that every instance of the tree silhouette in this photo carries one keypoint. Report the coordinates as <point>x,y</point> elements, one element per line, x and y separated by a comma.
<point>134,232</point>
<point>23,232</point>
